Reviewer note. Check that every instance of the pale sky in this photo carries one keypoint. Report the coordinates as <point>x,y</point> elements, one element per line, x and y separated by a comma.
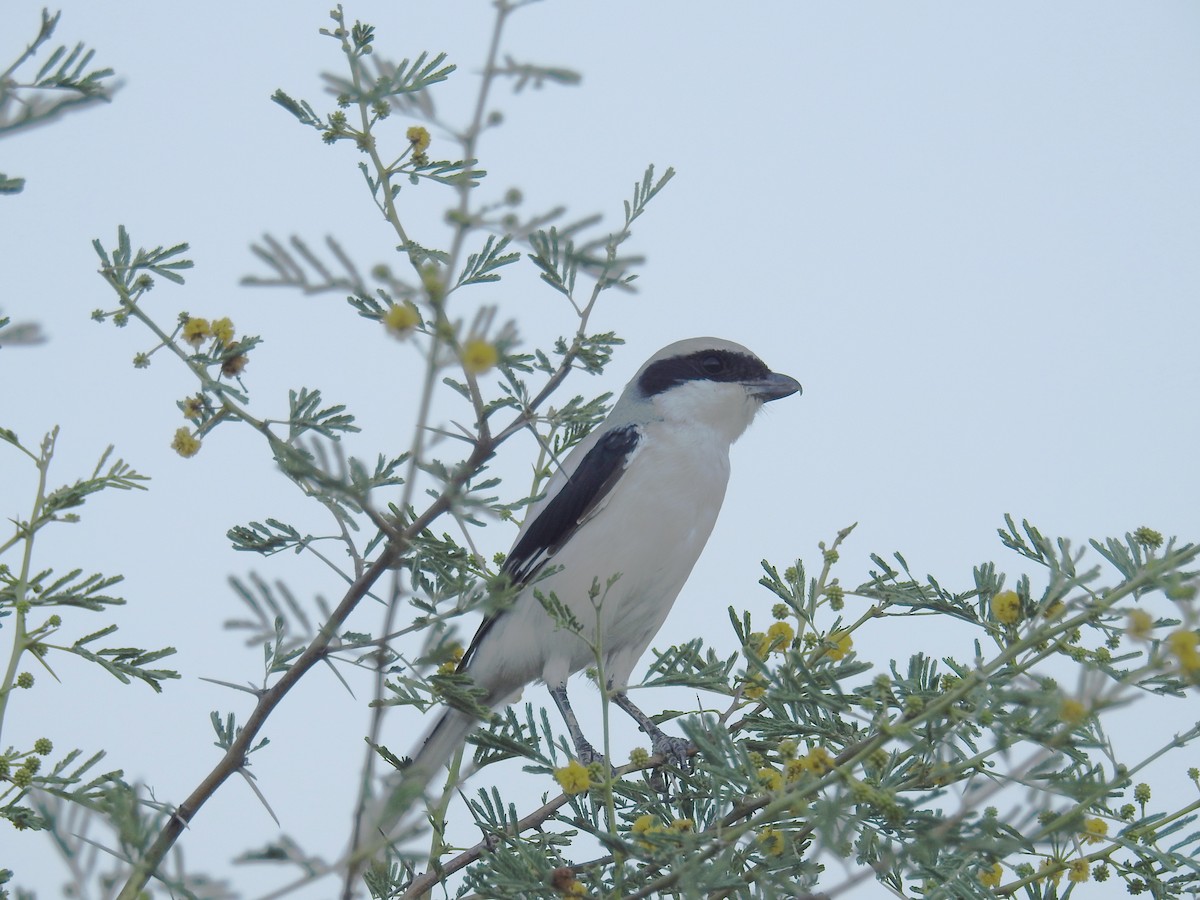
<point>968,230</point>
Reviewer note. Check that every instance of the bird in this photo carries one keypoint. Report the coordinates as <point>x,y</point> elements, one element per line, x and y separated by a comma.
<point>613,539</point>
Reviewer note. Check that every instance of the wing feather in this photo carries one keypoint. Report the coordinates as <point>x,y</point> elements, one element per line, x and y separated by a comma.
<point>582,496</point>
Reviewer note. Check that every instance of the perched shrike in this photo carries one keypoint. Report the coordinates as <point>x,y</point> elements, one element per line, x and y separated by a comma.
<point>636,499</point>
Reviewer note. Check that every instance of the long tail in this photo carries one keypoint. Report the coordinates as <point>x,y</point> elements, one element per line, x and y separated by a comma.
<point>441,742</point>
<point>403,791</point>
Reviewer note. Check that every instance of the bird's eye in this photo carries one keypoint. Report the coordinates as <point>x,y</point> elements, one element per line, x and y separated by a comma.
<point>712,365</point>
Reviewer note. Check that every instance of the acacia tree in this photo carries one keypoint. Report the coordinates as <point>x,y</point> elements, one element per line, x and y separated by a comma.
<point>805,753</point>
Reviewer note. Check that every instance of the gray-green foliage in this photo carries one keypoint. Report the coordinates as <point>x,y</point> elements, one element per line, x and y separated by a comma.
<point>807,754</point>
<point>65,80</point>
<point>45,614</point>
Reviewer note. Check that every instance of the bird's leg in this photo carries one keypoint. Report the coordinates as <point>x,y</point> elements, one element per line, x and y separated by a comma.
<point>675,749</point>
<point>586,752</point>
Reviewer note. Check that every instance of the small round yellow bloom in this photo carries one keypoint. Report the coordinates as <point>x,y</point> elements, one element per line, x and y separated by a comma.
<point>573,777</point>
<point>1072,711</point>
<point>1095,830</point>
<point>193,407</point>
<point>197,331</point>
<point>401,319</point>
<point>1055,610</point>
<point>1006,607</point>
<point>755,687</point>
<point>682,825</point>
<point>451,665</point>
<point>418,136</point>
<point>185,443</point>
<point>841,643</point>
<point>819,761</point>
<point>1183,644</point>
<point>1140,624</point>
<point>222,330</point>
<point>771,779</point>
<point>991,877</point>
<point>794,769</point>
<point>478,356</point>
<point>773,841</point>
<point>1078,871</point>
<point>1050,870</point>
<point>780,637</point>
<point>643,825</point>
<point>1148,538</point>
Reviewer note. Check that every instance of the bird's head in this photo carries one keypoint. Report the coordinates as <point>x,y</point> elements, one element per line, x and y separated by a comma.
<point>707,381</point>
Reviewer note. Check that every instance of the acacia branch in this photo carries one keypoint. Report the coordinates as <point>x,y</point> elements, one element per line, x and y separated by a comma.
<point>234,758</point>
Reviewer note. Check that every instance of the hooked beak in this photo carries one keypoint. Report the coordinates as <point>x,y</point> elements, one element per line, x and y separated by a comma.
<point>774,387</point>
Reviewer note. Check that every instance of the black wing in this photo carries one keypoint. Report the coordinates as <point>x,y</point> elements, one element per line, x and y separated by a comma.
<point>586,487</point>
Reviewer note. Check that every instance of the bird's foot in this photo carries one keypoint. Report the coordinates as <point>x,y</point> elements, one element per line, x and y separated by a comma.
<point>587,754</point>
<point>677,751</point>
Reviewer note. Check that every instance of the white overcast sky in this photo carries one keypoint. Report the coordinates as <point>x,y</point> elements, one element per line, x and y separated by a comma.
<point>970,231</point>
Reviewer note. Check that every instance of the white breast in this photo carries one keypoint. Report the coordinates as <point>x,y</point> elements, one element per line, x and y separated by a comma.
<point>649,533</point>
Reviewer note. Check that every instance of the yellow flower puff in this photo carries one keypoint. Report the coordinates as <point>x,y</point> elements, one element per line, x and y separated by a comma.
<point>418,136</point>
<point>819,761</point>
<point>1183,644</point>
<point>185,443</point>
<point>193,407</point>
<point>451,665</point>
<point>478,356</point>
<point>838,644</point>
<point>1049,870</point>
<point>780,637</point>
<point>401,319</point>
<point>1095,830</point>
<point>1006,608</point>
<point>794,769</point>
<point>755,687</point>
<point>645,824</point>
<point>1072,711</point>
<point>196,331</point>
<point>771,779</point>
<point>222,330</point>
<point>772,840</point>
<point>573,777</point>
<point>1140,624</point>
<point>991,877</point>
<point>1078,871</point>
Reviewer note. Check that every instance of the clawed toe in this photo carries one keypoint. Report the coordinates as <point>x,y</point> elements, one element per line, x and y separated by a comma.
<point>587,754</point>
<point>676,750</point>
